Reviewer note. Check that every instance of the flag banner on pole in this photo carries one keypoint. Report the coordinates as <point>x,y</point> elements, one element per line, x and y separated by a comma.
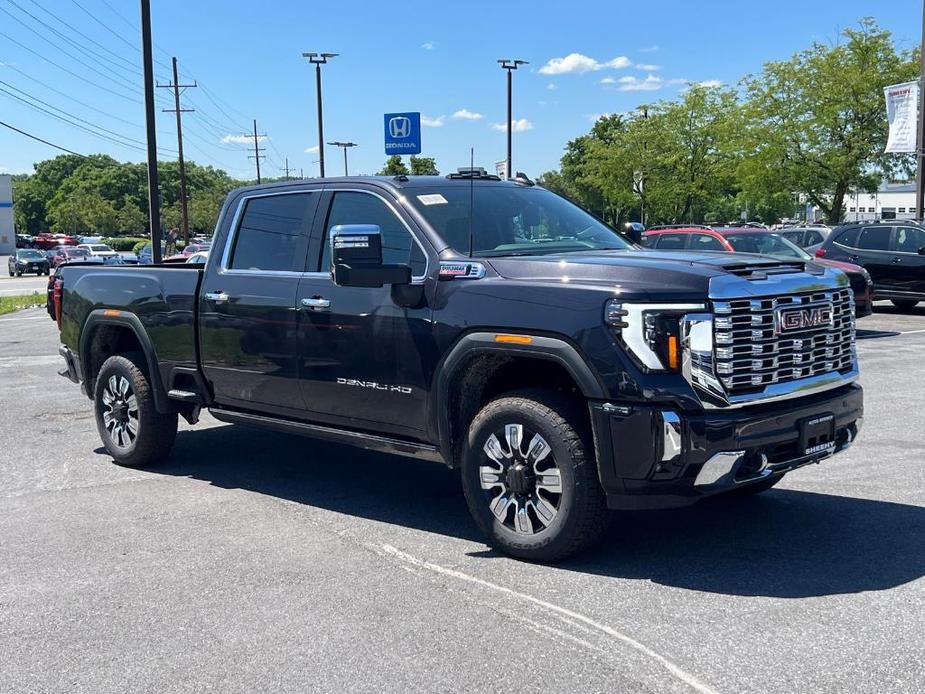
<point>901,107</point>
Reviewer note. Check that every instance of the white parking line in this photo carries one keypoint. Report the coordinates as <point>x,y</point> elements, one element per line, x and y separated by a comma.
<point>685,677</point>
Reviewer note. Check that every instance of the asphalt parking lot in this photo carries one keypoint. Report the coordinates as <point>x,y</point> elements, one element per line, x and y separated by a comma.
<point>255,561</point>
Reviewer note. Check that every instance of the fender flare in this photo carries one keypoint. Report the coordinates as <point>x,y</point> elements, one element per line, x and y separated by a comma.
<point>552,349</point>
<point>98,318</point>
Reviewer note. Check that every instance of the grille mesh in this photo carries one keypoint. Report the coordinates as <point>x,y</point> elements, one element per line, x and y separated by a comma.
<point>750,353</point>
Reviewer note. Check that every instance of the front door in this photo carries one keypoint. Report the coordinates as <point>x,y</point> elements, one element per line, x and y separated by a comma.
<point>909,264</point>
<point>366,357</point>
<point>248,316</point>
<point>872,250</point>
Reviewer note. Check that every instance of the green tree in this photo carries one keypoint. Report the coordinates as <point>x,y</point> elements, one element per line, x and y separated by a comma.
<point>423,166</point>
<point>394,166</point>
<point>816,123</point>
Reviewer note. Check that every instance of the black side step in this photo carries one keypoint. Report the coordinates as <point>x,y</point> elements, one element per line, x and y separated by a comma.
<point>372,442</point>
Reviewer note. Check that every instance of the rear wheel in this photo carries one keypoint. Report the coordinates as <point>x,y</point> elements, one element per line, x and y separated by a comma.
<point>904,304</point>
<point>529,477</point>
<point>134,433</point>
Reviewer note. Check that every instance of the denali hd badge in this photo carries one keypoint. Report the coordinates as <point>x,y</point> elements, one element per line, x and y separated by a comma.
<point>805,317</point>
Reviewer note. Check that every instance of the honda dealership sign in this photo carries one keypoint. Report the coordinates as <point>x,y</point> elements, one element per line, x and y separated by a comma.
<point>402,133</point>
<point>901,108</point>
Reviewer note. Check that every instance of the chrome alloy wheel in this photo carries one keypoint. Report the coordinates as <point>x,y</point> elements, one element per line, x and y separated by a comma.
<point>524,488</point>
<point>120,411</point>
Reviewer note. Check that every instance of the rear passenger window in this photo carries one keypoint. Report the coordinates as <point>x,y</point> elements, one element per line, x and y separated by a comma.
<point>812,238</point>
<point>271,231</point>
<point>398,246</point>
<point>909,239</point>
<point>874,238</point>
<point>670,242</point>
<point>705,242</point>
<point>849,238</point>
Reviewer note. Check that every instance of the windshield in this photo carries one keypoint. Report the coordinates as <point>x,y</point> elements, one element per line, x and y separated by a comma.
<point>31,255</point>
<point>766,244</point>
<point>511,221</point>
<point>101,248</point>
<point>78,252</point>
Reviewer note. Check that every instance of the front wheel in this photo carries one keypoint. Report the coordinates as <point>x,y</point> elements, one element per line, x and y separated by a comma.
<point>905,304</point>
<point>530,479</point>
<point>134,433</point>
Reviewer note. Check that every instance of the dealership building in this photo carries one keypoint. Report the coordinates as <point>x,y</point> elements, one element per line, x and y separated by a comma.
<point>891,201</point>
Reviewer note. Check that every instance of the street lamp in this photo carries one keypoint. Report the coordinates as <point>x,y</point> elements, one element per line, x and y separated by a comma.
<point>319,59</point>
<point>345,145</point>
<point>510,66</point>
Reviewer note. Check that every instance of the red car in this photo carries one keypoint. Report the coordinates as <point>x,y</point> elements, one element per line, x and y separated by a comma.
<point>47,241</point>
<point>750,240</point>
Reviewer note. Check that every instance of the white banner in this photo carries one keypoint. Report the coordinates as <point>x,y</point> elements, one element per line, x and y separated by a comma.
<point>901,108</point>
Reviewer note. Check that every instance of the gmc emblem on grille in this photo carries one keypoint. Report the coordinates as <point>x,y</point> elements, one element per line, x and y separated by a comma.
<point>790,319</point>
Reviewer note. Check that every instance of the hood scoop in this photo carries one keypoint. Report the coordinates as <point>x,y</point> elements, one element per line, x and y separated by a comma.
<point>761,270</point>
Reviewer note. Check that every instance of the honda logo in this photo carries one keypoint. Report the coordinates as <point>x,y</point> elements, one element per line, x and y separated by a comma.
<point>805,318</point>
<point>400,127</point>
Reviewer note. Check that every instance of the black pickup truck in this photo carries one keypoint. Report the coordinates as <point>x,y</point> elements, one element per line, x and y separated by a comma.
<point>487,325</point>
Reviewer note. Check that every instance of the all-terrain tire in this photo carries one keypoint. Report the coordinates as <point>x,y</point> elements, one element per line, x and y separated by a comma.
<point>580,514</point>
<point>134,433</point>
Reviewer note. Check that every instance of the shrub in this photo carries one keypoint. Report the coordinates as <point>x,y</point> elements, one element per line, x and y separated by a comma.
<point>125,243</point>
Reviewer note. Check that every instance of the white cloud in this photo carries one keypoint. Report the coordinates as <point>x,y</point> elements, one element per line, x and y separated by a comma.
<point>649,49</point>
<point>551,86</point>
<point>466,114</point>
<point>648,67</point>
<point>651,83</point>
<point>241,139</point>
<point>311,150</point>
<point>429,45</point>
<point>595,117</point>
<point>429,122</point>
<point>710,84</point>
<point>608,80</point>
<point>519,125</point>
<point>578,63</point>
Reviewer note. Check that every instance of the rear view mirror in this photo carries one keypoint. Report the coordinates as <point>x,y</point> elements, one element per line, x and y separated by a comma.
<point>356,258</point>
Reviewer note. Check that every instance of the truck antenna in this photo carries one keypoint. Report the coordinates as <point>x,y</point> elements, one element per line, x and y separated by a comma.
<point>471,193</point>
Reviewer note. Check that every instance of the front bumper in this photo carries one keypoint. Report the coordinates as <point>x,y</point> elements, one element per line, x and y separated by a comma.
<point>654,457</point>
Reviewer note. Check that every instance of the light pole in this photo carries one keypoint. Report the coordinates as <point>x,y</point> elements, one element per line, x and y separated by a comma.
<point>345,146</point>
<point>510,66</point>
<point>319,59</point>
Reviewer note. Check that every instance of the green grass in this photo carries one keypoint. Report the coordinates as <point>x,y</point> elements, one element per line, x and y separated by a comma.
<point>8,304</point>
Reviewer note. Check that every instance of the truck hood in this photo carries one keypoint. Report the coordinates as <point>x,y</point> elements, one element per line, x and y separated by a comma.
<point>651,273</point>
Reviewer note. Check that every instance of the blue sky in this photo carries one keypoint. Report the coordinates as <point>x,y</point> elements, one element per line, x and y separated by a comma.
<point>586,58</point>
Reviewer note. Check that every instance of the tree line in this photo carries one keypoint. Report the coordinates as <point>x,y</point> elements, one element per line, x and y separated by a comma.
<point>809,128</point>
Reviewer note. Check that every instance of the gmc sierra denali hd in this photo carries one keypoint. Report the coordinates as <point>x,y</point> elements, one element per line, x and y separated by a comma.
<point>488,325</point>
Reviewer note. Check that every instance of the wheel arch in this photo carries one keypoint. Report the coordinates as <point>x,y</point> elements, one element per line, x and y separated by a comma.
<point>104,335</point>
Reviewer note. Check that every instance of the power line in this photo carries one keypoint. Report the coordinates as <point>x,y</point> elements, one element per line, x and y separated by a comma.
<point>176,87</point>
<point>39,139</point>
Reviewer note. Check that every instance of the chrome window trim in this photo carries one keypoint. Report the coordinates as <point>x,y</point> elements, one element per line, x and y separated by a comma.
<point>223,268</point>
<point>415,279</point>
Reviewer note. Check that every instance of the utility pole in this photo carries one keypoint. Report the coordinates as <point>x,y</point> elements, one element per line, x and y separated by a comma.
<point>154,203</point>
<point>510,66</point>
<point>319,59</point>
<point>184,197</point>
<point>920,140</point>
<point>301,173</point>
<point>257,156</point>
<point>286,169</point>
<point>346,146</point>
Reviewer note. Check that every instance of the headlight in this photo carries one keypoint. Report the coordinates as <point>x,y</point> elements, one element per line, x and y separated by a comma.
<point>650,332</point>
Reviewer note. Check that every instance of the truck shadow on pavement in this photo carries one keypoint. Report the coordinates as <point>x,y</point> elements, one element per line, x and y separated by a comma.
<point>783,543</point>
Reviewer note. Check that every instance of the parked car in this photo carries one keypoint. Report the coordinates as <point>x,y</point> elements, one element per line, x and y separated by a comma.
<point>893,253</point>
<point>129,258</point>
<point>27,261</point>
<point>199,257</point>
<point>488,325</point>
<point>24,241</point>
<point>754,240</point>
<point>46,241</point>
<point>98,249</point>
<point>805,237</point>
<point>67,254</point>
<point>146,255</point>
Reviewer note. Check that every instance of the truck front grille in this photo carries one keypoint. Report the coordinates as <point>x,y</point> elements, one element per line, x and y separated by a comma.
<point>758,342</point>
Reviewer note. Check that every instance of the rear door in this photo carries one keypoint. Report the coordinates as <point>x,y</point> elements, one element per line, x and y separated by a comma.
<point>909,265</point>
<point>366,360</point>
<point>671,242</point>
<point>706,242</point>
<point>247,306</point>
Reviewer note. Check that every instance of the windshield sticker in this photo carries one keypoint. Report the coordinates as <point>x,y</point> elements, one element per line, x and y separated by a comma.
<point>432,199</point>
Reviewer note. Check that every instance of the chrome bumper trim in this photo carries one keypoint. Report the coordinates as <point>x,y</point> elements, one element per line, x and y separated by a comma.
<point>718,466</point>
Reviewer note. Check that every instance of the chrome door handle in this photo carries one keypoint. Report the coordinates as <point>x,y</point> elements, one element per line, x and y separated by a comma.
<point>317,303</point>
<point>217,297</point>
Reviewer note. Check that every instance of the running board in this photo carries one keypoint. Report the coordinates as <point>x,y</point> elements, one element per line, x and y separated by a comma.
<point>370,442</point>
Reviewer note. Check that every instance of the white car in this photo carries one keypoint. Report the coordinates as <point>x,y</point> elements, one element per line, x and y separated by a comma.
<point>198,257</point>
<point>98,249</point>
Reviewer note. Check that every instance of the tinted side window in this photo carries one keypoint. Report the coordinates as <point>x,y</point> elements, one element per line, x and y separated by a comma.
<point>705,242</point>
<point>909,239</point>
<point>849,238</point>
<point>671,242</point>
<point>398,246</point>
<point>875,238</point>
<point>270,233</point>
<point>813,237</point>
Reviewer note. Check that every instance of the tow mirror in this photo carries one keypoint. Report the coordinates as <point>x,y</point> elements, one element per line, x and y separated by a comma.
<point>356,258</point>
